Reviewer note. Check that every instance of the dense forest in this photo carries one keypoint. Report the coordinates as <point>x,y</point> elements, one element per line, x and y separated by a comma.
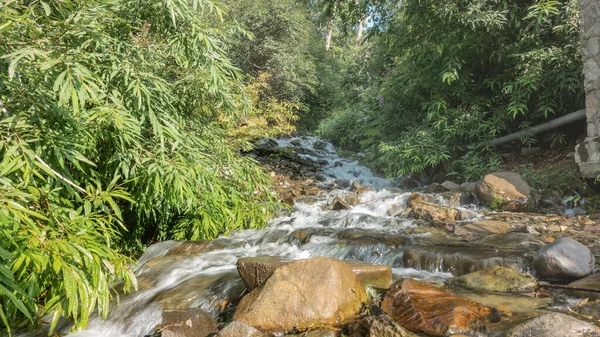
<point>124,122</point>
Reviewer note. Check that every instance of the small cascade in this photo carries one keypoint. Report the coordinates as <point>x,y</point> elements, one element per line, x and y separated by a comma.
<point>375,230</point>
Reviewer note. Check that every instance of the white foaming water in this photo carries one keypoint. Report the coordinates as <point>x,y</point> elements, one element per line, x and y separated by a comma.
<point>336,167</point>
<point>209,279</point>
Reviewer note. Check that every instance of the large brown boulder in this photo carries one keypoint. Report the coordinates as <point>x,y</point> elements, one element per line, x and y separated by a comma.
<point>187,323</point>
<point>506,191</point>
<point>302,295</point>
<point>422,307</point>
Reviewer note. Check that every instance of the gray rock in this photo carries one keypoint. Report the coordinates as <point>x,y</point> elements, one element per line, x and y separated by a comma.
<point>554,325</point>
<point>468,187</point>
<point>451,186</point>
<point>563,260</point>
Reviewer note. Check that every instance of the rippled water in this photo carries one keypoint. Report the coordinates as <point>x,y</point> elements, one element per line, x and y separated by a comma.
<point>365,232</point>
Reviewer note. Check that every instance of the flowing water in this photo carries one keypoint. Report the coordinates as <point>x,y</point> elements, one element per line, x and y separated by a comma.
<point>366,232</point>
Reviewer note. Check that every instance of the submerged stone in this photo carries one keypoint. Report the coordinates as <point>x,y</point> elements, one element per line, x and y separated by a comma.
<point>484,227</point>
<point>588,287</point>
<point>497,278</point>
<point>187,323</point>
<point>377,326</point>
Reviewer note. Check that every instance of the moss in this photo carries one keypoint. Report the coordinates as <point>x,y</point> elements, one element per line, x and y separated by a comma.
<point>497,204</point>
<point>592,204</point>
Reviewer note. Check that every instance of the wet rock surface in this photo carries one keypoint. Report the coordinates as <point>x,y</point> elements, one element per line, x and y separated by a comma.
<point>377,326</point>
<point>421,307</point>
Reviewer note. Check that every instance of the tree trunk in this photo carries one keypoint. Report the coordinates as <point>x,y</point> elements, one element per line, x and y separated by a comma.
<point>330,27</point>
<point>363,21</point>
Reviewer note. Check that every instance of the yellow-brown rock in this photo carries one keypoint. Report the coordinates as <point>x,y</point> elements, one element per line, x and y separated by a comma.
<point>304,294</point>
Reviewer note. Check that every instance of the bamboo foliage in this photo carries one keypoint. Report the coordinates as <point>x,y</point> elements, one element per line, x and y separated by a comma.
<point>110,137</point>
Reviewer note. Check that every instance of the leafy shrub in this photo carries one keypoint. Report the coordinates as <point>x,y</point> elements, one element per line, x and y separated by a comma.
<point>268,117</point>
<point>111,136</point>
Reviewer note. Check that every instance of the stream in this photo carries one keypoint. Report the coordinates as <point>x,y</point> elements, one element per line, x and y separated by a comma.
<point>375,230</point>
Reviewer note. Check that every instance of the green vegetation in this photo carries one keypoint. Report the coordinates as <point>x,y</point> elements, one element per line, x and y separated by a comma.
<point>112,136</point>
<point>122,121</point>
<point>445,76</point>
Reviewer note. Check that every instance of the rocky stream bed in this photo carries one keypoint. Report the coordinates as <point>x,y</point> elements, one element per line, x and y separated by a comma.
<point>356,256</point>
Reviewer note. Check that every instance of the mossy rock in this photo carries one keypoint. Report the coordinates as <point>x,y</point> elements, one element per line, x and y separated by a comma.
<point>500,279</point>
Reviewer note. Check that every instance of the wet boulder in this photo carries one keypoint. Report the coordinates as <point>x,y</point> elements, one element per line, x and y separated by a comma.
<point>239,329</point>
<point>416,198</point>
<point>302,295</point>
<point>563,260</point>
<point>377,326</point>
<point>337,204</point>
<point>425,308</point>
<point>255,271</point>
<point>195,247</point>
<point>372,275</point>
<point>506,191</point>
<point>358,188</point>
<point>434,212</point>
<point>554,325</point>
<point>497,278</point>
<point>187,323</point>
<point>484,227</point>
<point>352,199</point>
